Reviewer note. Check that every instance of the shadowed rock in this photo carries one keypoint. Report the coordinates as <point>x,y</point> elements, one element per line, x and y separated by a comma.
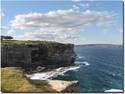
<point>36,56</point>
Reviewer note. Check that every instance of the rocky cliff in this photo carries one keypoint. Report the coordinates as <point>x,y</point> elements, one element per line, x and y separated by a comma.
<point>36,55</point>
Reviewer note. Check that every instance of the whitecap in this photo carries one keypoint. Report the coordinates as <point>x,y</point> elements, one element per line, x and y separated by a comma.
<point>54,73</point>
<point>73,68</point>
<point>114,90</point>
<point>83,63</point>
<point>80,57</point>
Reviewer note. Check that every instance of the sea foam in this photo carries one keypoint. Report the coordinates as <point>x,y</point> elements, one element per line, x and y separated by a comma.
<point>114,90</point>
<point>80,57</point>
<point>54,73</point>
<point>82,63</point>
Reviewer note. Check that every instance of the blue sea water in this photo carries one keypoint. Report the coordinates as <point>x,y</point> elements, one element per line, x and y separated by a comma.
<point>100,69</point>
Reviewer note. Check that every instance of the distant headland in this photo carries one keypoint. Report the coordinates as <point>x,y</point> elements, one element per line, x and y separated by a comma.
<point>101,45</point>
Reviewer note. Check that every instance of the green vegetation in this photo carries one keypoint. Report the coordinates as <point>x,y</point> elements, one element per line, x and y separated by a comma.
<point>14,80</point>
<point>27,42</point>
<point>53,47</point>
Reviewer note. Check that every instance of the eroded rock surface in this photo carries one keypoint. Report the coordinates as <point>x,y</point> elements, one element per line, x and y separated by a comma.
<point>37,57</point>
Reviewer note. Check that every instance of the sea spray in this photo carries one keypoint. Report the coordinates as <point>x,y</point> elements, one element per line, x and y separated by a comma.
<point>54,73</point>
<point>82,63</point>
<point>114,90</point>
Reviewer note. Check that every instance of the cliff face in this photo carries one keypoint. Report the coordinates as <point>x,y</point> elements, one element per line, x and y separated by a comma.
<point>37,57</point>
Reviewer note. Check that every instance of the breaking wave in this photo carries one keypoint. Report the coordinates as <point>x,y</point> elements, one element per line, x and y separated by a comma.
<point>54,73</point>
<point>80,57</point>
<point>114,90</point>
<point>82,63</point>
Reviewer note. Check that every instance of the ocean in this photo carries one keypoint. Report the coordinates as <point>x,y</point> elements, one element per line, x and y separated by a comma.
<point>99,70</point>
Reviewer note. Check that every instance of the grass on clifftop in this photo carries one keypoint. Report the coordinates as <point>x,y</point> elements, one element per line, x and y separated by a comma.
<point>53,47</point>
<point>27,42</point>
<point>21,42</point>
<point>14,80</point>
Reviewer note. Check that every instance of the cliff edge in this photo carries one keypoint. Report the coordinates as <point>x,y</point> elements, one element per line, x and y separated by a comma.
<point>36,56</point>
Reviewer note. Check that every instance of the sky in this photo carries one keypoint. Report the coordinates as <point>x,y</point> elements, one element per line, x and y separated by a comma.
<point>74,21</point>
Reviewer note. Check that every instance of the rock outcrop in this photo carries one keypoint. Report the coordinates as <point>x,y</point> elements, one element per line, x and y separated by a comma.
<point>64,86</point>
<point>13,79</point>
<point>37,56</point>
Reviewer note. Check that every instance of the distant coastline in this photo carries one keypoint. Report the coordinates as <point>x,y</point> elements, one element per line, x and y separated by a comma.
<point>101,45</point>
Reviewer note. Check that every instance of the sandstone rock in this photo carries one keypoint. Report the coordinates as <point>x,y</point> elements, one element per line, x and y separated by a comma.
<point>49,55</point>
<point>64,86</point>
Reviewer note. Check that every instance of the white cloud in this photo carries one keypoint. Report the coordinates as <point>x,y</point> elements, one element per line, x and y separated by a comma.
<point>2,13</point>
<point>60,25</point>
<point>120,30</point>
<point>84,5</point>
<point>84,0</point>
<point>61,20</point>
<point>6,30</point>
<point>11,31</point>
<point>4,27</point>
<point>48,36</point>
<point>75,7</point>
<point>76,0</point>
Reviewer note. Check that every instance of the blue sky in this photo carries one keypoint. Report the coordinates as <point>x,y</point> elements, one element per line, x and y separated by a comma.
<point>78,22</point>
